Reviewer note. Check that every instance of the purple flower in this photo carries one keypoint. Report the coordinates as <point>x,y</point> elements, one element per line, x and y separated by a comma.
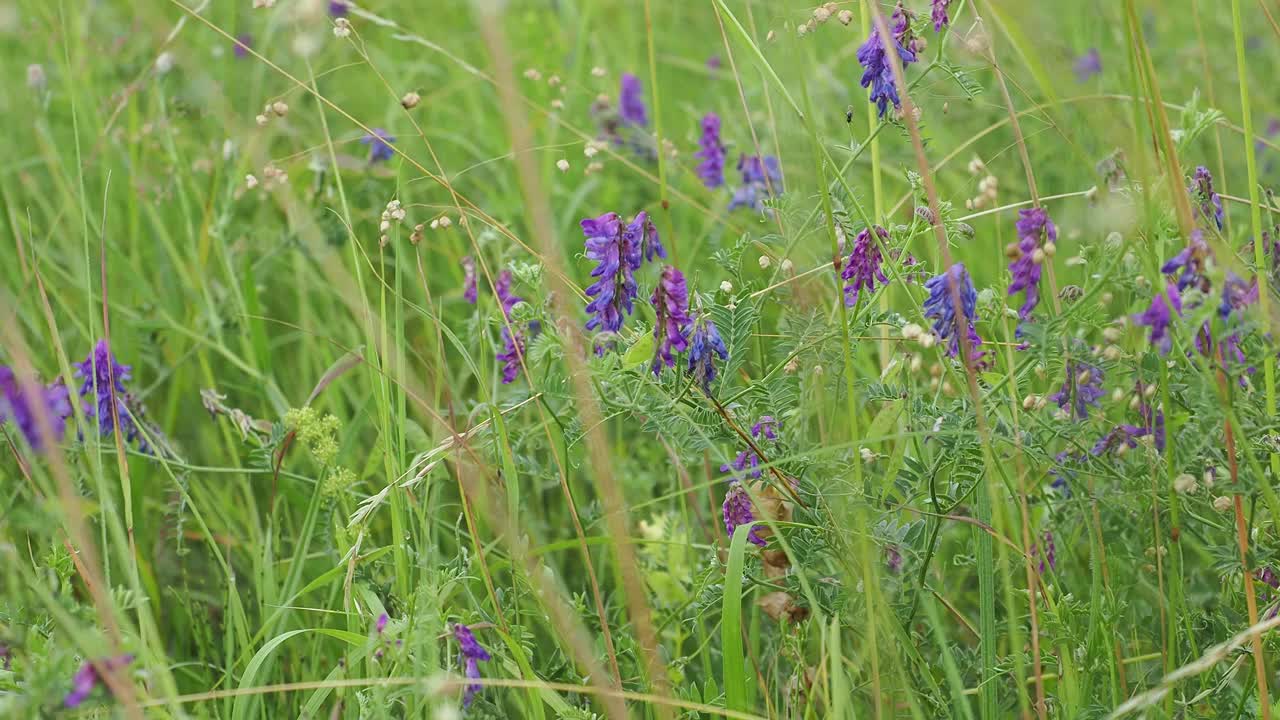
<point>19,403</point>
<point>940,18</point>
<point>940,307</point>
<point>470,290</point>
<point>615,287</point>
<point>1208,202</point>
<point>243,42</point>
<point>893,558</point>
<point>1045,554</point>
<point>381,624</point>
<point>338,8</point>
<point>631,107</point>
<point>103,379</point>
<point>1062,477</point>
<point>704,345</point>
<point>671,302</point>
<point>711,152</point>
<point>1126,435</point>
<point>512,337</point>
<point>878,73</point>
<point>379,145</point>
<point>738,511</point>
<point>1189,265</point>
<point>713,62</point>
<point>642,233</point>
<point>865,266</point>
<point>1237,294</point>
<point>1034,230</point>
<point>1159,315</point>
<point>1081,388</point>
<point>87,678</point>
<point>472,656</point>
<point>766,426</point>
<point>761,178</point>
<point>1088,65</point>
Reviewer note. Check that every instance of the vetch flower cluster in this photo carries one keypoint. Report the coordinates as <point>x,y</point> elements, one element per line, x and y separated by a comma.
<point>105,394</point>
<point>865,266</point>
<point>1088,65</point>
<point>631,107</point>
<point>941,307</point>
<point>1081,388</point>
<point>711,152</point>
<point>747,463</point>
<point>878,73</point>
<point>671,303</point>
<point>1037,236</point>
<point>379,143</point>
<point>472,655</point>
<point>705,345</point>
<point>1208,203</point>
<point>761,178</point>
<point>939,16</point>
<point>738,510</point>
<point>24,403</point>
<point>470,291</point>
<point>618,253</point>
<point>1159,315</point>
<point>512,338</point>
<point>87,678</point>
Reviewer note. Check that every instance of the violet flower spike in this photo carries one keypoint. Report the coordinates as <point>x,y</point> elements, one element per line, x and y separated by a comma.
<point>1081,388</point>
<point>379,143</point>
<point>704,345</point>
<point>103,379</point>
<point>878,73</point>
<point>671,303</point>
<point>513,340</point>
<point>631,107</point>
<point>940,307</point>
<point>1088,65</point>
<point>23,402</point>
<point>1208,203</point>
<point>615,287</point>
<point>738,510</point>
<point>87,678</point>
<point>766,426</point>
<point>761,178</point>
<point>940,17</point>
<point>1035,229</point>
<point>642,239</point>
<point>472,655</point>
<point>711,152</point>
<point>243,41</point>
<point>470,290</point>
<point>865,266</point>
<point>381,624</point>
<point>1189,265</point>
<point>1164,306</point>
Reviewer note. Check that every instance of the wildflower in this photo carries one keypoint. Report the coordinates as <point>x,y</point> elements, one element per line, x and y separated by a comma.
<point>472,655</point>
<point>704,343</point>
<point>18,403</point>
<point>87,678</point>
<point>761,178</point>
<point>1060,474</point>
<point>338,8</point>
<point>940,307</point>
<point>1081,388</point>
<point>738,510</point>
<point>104,379</point>
<point>893,558</point>
<point>1122,435</point>
<point>711,152</point>
<point>940,18</point>
<point>1237,294</point>
<point>1035,230</point>
<point>865,265</point>
<point>766,426</point>
<point>1189,265</point>
<point>746,464</point>
<point>631,107</point>
<point>470,290</point>
<point>512,338</point>
<point>671,302</point>
<point>714,63</point>
<point>379,143</point>
<point>1088,65</point>
<point>878,74</point>
<point>1159,315</point>
<point>243,42</point>
<point>615,287</point>
<point>1046,554</point>
<point>1208,202</point>
<point>381,624</point>
<point>643,232</point>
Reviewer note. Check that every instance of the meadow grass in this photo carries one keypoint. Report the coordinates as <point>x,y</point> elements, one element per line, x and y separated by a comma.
<point>367,459</point>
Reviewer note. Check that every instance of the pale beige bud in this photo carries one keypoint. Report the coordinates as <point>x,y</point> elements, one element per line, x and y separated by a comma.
<point>562,164</point>
<point>410,100</point>
<point>1222,503</point>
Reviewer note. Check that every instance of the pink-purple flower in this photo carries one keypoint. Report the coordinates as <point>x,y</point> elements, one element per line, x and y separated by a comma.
<point>631,107</point>
<point>472,655</point>
<point>878,73</point>
<point>1081,388</point>
<point>470,289</point>
<point>671,303</point>
<point>513,337</point>
<point>1035,229</point>
<point>1159,316</point>
<point>711,152</point>
<point>705,345</point>
<point>618,253</point>
<point>737,511</point>
<point>1208,204</point>
<point>87,678</point>
<point>24,402</point>
<point>865,266</point>
<point>939,16</point>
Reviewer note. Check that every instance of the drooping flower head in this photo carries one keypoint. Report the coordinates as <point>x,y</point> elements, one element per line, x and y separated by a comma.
<point>1035,229</point>
<point>513,337</point>
<point>865,266</point>
<point>87,678</point>
<point>22,403</point>
<point>738,510</point>
<point>471,656</point>
<point>766,427</point>
<point>710,152</point>
<point>1088,65</point>
<point>761,178</point>
<point>1081,388</point>
<point>470,290</point>
<point>941,307</point>
<point>1189,265</point>
<point>704,345</point>
<point>642,234</point>
<point>615,285</point>
<point>940,17</point>
<point>103,385</point>
<point>671,302</point>
<point>1208,202</point>
<point>1164,306</point>
<point>379,145</point>
<point>631,107</point>
<point>878,72</point>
